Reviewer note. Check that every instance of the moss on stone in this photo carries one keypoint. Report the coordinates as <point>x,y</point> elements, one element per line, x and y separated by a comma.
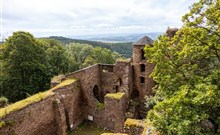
<point>64,83</point>
<point>32,99</point>
<point>134,123</point>
<point>2,124</point>
<point>113,134</point>
<point>123,60</point>
<point>57,79</point>
<point>116,96</point>
<point>100,105</point>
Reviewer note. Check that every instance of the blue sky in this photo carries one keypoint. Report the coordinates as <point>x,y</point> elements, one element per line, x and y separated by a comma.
<point>91,17</point>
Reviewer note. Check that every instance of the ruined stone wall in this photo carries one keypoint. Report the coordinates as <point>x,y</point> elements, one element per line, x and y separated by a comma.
<point>40,118</point>
<point>123,71</point>
<point>115,105</point>
<point>89,77</point>
<point>106,112</point>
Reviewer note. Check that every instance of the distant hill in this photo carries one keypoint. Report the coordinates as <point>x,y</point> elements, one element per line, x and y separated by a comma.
<point>125,48</point>
<point>124,37</point>
<point>121,44</point>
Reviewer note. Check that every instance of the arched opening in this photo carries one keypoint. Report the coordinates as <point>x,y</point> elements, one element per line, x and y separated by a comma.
<point>116,88</point>
<point>96,92</point>
<point>120,81</point>
<point>135,94</point>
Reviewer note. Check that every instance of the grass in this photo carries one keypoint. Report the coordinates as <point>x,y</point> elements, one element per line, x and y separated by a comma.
<point>32,99</point>
<point>116,96</point>
<point>87,128</point>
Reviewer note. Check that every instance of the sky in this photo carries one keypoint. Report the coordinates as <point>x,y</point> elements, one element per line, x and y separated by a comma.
<point>91,17</point>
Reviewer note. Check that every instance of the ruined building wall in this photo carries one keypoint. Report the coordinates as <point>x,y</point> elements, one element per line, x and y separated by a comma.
<point>39,118</point>
<point>108,79</point>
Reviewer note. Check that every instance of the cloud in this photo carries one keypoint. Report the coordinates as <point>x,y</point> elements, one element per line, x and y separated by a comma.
<point>82,17</point>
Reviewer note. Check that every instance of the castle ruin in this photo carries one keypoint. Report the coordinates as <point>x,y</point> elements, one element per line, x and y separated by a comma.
<point>100,93</point>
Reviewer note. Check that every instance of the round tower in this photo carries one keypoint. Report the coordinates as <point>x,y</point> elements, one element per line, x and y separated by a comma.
<point>143,84</point>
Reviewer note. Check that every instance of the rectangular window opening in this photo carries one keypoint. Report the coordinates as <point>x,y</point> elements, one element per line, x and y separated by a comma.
<point>142,80</point>
<point>142,54</point>
<point>142,67</point>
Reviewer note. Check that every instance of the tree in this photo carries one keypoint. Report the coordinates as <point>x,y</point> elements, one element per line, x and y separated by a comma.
<point>23,63</point>
<point>103,55</point>
<point>78,53</point>
<point>56,57</point>
<point>187,70</point>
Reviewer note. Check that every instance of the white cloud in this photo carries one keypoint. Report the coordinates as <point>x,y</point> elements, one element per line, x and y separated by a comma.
<point>81,17</point>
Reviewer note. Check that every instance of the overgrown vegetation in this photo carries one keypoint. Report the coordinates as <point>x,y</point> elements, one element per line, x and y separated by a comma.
<point>125,49</point>
<point>32,99</point>
<point>28,64</point>
<point>187,71</point>
<point>87,128</point>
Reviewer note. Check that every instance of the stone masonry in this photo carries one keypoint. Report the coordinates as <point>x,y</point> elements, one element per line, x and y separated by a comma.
<point>100,93</point>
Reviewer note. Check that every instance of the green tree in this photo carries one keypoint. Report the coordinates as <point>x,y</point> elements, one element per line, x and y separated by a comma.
<point>78,53</point>
<point>24,66</point>
<point>103,55</point>
<point>56,56</point>
<point>187,70</point>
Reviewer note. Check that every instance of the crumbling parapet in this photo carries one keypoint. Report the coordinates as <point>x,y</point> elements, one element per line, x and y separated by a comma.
<point>134,126</point>
<point>115,111</point>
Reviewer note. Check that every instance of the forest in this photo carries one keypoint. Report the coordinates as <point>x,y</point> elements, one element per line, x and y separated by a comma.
<point>28,63</point>
<point>124,48</point>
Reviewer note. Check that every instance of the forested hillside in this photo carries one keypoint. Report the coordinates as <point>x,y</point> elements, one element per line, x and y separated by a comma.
<point>28,64</point>
<point>125,49</point>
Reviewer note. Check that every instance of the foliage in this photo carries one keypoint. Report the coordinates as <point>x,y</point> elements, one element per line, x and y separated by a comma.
<point>27,64</point>
<point>32,99</point>
<point>56,57</point>
<point>84,55</point>
<point>150,102</point>
<point>24,66</point>
<point>3,100</point>
<point>187,70</point>
<point>124,49</point>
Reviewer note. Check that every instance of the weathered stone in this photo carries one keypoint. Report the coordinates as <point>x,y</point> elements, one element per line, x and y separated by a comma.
<point>101,94</point>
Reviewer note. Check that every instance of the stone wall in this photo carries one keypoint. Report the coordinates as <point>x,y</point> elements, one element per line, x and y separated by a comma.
<point>109,79</point>
<point>40,118</point>
<point>144,88</point>
<point>115,111</point>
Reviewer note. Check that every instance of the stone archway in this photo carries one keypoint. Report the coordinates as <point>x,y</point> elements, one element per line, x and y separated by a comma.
<point>96,94</point>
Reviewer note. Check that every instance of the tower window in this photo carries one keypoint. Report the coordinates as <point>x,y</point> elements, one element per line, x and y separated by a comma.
<point>142,54</point>
<point>142,67</point>
<point>142,80</point>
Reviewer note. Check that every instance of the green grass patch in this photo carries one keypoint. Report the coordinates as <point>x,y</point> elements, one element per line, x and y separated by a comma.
<point>32,99</point>
<point>87,128</point>
<point>116,96</point>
